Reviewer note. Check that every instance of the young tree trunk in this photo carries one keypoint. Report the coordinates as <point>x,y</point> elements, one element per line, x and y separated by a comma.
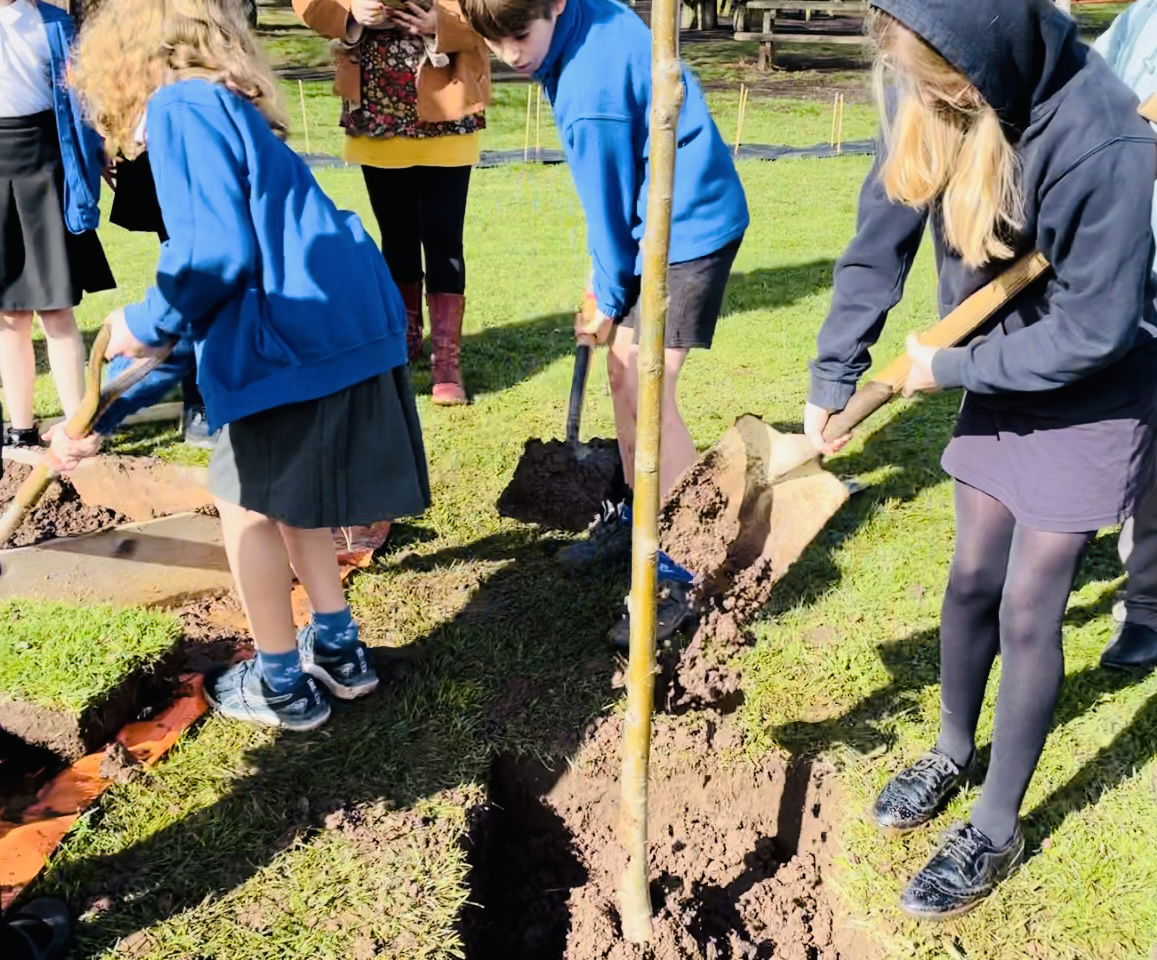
<point>666,100</point>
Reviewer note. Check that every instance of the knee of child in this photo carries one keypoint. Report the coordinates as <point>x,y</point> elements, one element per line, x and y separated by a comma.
<point>59,323</point>
<point>972,582</point>
<point>16,319</point>
<point>1025,626</point>
<point>618,371</point>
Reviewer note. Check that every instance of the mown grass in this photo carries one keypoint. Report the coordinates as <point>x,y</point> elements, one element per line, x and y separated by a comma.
<point>69,658</point>
<point>230,848</point>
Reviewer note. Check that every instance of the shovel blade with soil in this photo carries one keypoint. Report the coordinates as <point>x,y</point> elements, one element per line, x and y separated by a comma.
<point>751,505</point>
<point>562,484</point>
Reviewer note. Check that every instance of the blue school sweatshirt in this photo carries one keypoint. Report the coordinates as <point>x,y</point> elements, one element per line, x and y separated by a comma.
<point>597,76</point>
<point>1079,343</point>
<point>1129,46</point>
<point>81,149</point>
<point>285,297</point>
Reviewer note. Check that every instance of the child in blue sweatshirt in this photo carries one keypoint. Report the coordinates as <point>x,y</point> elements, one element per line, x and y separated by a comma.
<point>298,329</point>
<point>593,58</point>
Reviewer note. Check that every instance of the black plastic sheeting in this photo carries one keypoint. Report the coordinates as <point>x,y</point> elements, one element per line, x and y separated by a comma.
<point>747,151</point>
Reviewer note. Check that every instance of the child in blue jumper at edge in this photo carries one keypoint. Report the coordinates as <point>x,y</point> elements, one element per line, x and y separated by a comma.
<point>593,58</point>
<point>299,333</point>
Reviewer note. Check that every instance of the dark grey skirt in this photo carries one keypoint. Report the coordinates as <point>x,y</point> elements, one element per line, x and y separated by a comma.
<point>1055,473</point>
<point>42,265</point>
<point>350,459</point>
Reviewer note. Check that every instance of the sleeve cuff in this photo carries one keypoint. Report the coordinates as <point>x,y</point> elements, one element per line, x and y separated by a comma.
<point>436,58</point>
<point>948,367</point>
<point>141,326</point>
<point>830,394</point>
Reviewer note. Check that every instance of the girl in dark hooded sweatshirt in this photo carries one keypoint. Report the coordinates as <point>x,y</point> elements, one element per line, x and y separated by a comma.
<point>1003,133</point>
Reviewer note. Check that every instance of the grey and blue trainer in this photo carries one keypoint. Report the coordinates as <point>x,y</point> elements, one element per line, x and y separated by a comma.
<point>241,692</point>
<point>346,673</point>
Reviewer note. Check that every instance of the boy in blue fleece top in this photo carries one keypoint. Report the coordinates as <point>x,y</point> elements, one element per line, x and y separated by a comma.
<point>593,58</point>
<point>1130,47</point>
<point>298,329</point>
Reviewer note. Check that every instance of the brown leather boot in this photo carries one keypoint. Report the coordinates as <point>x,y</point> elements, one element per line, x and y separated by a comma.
<point>412,298</point>
<point>446,312</point>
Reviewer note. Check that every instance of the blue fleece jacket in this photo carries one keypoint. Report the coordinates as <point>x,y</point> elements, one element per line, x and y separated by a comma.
<point>597,75</point>
<point>1076,344</point>
<point>1129,46</point>
<point>81,150</point>
<point>286,298</point>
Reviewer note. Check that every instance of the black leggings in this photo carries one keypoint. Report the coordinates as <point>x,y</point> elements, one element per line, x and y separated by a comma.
<point>1007,591</point>
<point>422,208</point>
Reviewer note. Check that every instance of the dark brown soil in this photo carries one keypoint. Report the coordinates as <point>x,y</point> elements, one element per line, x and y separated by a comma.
<point>560,488</point>
<point>738,856</point>
<point>60,512</point>
<point>215,631</point>
<point>23,771</point>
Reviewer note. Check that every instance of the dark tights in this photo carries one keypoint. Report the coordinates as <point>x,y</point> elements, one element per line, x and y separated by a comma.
<point>1007,591</point>
<point>422,209</point>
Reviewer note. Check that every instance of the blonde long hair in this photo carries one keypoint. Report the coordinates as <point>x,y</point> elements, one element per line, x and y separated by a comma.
<point>945,146</point>
<point>130,48</point>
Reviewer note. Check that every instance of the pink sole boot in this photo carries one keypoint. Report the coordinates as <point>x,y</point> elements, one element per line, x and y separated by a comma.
<point>446,312</point>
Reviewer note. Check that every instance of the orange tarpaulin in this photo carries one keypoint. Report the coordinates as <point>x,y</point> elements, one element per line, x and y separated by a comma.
<point>26,846</point>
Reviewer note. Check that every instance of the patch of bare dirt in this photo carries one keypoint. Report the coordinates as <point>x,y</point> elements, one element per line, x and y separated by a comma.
<point>739,854</point>
<point>60,512</point>
<point>560,487</point>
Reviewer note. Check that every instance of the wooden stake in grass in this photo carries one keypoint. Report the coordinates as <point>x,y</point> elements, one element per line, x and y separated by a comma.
<point>538,125</point>
<point>304,116</point>
<point>741,115</point>
<point>840,123</point>
<point>526,142</point>
<point>666,100</point>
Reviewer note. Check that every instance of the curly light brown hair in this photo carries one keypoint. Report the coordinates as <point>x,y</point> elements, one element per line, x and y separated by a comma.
<point>128,49</point>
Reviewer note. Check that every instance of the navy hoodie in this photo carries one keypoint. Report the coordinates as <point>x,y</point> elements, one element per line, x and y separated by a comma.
<point>597,75</point>
<point>1075,343</point>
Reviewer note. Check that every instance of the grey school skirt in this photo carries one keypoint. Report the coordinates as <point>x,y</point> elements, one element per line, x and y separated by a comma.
<point>1056,473</point>
<point>350,459</point>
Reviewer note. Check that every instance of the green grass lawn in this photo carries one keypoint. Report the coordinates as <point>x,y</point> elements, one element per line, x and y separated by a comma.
<point>69,658</point>
<point>243,844</point>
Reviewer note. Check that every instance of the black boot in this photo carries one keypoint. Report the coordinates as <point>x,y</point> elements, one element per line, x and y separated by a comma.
<point>40,930</point>
<point>965,870</point>
<point>22,438</point>
<point>1133,648</point>
<point>916,794</point>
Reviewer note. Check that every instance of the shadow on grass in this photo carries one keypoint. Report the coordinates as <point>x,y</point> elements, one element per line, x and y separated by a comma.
<point>520,669</point>
<point>503,356</point>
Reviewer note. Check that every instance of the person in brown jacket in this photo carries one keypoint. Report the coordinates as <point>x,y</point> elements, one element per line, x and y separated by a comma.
<point>414,83</point>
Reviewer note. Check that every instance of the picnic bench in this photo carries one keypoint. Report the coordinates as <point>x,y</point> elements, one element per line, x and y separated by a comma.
<point>767,12</point>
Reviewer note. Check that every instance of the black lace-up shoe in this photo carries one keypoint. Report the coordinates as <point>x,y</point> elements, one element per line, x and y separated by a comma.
<point>915,795</point>
<point>965,870</point>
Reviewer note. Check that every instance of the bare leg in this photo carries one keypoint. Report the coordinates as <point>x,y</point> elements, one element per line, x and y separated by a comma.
<point>260,566</point>
<point>623,374</point>
<point>314,560</point>
<point>65,357</point>
<point>678,449</point>
<point>17,367</point>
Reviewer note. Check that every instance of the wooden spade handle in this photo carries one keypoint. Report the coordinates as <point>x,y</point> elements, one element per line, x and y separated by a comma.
<point>79,425</point>
<point>955,328</point>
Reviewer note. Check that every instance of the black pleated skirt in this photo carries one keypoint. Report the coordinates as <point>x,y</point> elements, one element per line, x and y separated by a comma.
<point>42,265</point>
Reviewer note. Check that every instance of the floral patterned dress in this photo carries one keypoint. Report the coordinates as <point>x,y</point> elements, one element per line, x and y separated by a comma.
<point>389,62</point>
